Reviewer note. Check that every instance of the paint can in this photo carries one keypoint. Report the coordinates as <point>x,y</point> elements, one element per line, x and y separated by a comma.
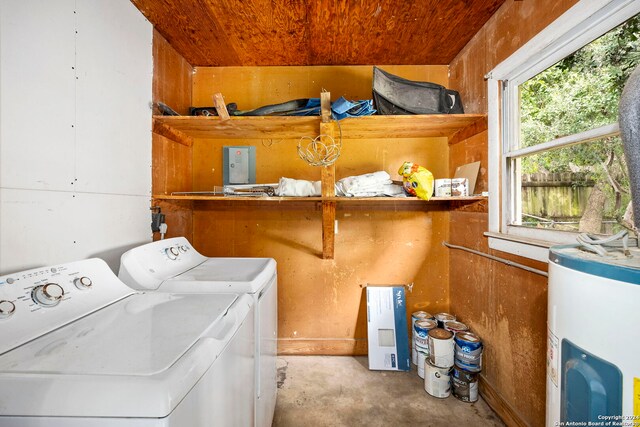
<point>423,356</point>
<point>441,348</point>
<point>437,381</point>
<point>444,317</point>
<point>415,316</point>
<point>464,384</point>
<point>442,187</point>
<point>455,326</point>
<point>418,315</point>
<point>459,187</point>
<point>468,351</point>
<point>421,330</point>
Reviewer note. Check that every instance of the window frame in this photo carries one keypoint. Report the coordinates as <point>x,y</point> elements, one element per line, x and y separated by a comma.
<point>584,22</point>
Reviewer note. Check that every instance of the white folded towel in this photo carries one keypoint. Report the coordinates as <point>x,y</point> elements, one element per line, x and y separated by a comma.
<point>352,184</point>
<point>298,188</point>
<point>367,185</point>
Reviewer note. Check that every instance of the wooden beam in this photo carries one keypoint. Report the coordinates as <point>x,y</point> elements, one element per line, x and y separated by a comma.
<point>172,133</point>
<point>325,106</point>
<point>328,180</point>
<point>328,229</point>
<point>221,108</point>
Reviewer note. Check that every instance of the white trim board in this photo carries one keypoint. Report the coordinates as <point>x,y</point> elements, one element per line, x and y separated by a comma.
<point>584,22</point>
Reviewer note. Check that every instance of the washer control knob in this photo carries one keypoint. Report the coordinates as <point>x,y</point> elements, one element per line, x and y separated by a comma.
<point>172,252</point>
<point>182,248</point>
<point>48,295</point>
<point>83,282</point>
<point>7,308</point>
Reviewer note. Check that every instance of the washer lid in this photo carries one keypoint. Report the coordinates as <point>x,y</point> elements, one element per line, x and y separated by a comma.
<point>617,266</point>
<point>135,358</point>
<point>245,275</point>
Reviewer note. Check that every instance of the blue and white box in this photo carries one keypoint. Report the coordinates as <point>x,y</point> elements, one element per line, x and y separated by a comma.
<point>387,328</point>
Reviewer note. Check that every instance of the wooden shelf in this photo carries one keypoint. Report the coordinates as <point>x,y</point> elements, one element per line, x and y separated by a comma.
<point>183,128</point>
<point>454,127</point>
<point>367,200</point>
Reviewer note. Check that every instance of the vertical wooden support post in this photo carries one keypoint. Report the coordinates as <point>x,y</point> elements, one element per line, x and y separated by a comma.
<point>328,179</point>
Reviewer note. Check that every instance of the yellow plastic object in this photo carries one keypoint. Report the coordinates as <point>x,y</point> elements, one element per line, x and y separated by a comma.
<point>417,180</point>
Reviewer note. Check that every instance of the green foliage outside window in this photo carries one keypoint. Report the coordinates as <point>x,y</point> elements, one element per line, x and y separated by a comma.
<point>579,93</point>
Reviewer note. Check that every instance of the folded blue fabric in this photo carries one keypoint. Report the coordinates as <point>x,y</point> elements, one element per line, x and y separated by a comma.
<point>340,109</point>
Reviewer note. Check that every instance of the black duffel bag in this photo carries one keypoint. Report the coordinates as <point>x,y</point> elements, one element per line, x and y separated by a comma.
<point>394,95</point>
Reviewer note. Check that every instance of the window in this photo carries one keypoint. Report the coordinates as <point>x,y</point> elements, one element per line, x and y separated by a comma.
<point>553,133</point>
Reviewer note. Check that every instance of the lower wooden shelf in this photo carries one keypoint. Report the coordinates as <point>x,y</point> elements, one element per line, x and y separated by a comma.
<point>328,205</point>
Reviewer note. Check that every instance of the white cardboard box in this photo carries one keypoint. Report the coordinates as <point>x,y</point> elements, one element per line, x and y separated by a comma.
<point>387,328</point>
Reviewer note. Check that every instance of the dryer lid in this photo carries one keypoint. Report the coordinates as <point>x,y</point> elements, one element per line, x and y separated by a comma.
<point>245,275</point>
<point>136,358</point>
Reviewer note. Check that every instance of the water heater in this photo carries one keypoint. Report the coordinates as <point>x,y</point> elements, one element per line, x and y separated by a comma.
<point>593,338</point>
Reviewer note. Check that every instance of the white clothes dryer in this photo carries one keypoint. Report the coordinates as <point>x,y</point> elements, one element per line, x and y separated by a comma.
<point>173,265</point>
<point>81,349</point>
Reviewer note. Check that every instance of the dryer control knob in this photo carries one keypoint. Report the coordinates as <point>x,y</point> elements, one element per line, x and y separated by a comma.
<point>48,295</point>
<point>182,248</point>
<point>83,282</point>
<point>7,308</point>
<point>172,252</point>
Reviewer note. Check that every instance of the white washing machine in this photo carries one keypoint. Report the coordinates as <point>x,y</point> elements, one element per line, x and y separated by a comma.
<point>81,349</point>
<point>593,349</point>
<point>173,265</point>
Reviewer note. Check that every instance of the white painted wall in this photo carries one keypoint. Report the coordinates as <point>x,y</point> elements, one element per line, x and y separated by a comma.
<point>75,131</point>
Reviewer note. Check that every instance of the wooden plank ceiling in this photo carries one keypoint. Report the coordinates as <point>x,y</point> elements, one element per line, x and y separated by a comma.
<point>319,32</point>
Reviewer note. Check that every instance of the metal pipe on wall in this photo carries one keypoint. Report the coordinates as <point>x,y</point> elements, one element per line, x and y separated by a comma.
<point>495,258</point>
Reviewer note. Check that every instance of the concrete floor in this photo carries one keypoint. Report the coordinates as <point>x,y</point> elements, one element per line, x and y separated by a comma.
<point>342,391</point>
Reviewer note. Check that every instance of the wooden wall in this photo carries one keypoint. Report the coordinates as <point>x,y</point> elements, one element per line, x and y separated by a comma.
<point>505,305</point>
<point>321,305</point>
<point>171,162</point>
<point>252,87</point>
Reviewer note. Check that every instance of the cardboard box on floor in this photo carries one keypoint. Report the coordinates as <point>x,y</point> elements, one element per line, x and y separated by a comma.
<point>387,328</point>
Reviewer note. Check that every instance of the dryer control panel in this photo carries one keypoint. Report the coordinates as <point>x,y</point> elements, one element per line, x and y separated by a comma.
<point>36,301</point>
<point>147,266</point>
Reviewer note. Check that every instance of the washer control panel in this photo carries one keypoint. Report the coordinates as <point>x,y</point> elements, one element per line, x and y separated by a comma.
<point>175,251</point>
<point>34,302</point>
<point>147,266</point>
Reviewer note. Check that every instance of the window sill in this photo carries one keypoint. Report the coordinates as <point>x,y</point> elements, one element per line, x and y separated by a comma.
<point>522,246</point>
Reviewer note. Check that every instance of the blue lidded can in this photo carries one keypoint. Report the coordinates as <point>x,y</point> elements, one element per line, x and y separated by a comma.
<point>468,351</point>
<point>421,329</point>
